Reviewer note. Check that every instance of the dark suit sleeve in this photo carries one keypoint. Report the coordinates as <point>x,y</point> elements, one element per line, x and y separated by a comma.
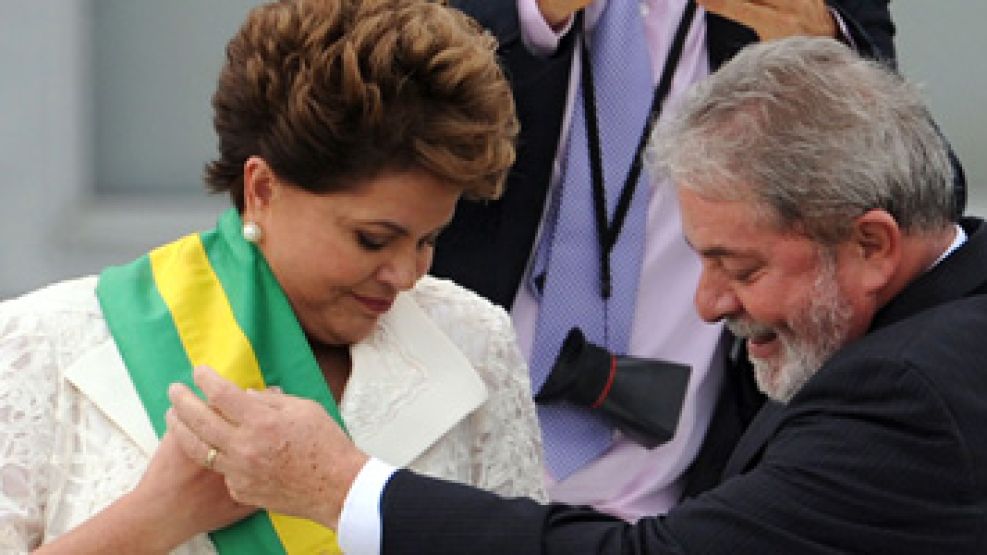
<point>850,470</point>
<point>870,26</point>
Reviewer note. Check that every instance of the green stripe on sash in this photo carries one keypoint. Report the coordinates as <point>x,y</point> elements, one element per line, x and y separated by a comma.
<point>212,299</point>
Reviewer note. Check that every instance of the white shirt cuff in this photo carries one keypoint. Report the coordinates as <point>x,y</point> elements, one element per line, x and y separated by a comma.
<point>537,34</point>
<point>359,530</point>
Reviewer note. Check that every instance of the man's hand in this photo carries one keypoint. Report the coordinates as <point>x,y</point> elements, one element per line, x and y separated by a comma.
<point>276,451</point>
<point>773,19</point>
<point>558,12</point>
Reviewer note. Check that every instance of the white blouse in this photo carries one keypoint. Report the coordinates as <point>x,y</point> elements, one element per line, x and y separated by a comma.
<point>439,386</point>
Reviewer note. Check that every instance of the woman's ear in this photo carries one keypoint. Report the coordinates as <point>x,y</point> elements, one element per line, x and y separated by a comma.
<point>259,187</point>
<point>877,239</point>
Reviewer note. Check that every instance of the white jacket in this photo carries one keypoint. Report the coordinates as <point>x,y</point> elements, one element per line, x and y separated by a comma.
<point>438,386</point>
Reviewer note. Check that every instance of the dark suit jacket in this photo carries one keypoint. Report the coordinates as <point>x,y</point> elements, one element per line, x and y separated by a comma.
<point>884,450</point>
<point>486,247</point>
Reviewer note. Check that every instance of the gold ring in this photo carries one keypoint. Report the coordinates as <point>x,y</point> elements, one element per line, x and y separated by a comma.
<point>211,457</point>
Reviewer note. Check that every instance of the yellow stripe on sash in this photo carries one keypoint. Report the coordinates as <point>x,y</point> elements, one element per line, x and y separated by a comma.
<point>202,313</point>
<point>211,336</point>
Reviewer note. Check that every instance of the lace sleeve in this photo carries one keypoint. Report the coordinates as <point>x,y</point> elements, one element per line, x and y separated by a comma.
<point>28,382</point>
<point>507,451</point>
<point>502,442</point>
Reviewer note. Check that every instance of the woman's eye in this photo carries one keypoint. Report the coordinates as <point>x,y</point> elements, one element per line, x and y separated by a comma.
<point>370,242</point>
<point>429,241</point>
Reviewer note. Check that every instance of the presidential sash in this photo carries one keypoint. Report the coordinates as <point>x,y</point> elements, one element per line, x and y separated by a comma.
<point>211,299</point>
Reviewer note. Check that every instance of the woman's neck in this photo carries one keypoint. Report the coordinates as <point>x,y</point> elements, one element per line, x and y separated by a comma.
<point>334,360</point>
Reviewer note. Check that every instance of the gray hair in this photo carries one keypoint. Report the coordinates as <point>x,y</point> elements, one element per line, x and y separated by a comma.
<point>814,134</point>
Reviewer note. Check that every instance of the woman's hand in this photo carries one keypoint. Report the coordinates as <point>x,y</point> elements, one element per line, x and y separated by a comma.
<point>774,19</point>
<point>276,451</point>
<point>192,498</point>
<point>176,499</point>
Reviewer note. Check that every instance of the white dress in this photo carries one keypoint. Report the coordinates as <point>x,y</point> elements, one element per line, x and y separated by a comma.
<point>439,386</point>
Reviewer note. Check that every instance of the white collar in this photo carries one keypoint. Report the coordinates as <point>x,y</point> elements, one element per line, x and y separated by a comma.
<point>447,386</point>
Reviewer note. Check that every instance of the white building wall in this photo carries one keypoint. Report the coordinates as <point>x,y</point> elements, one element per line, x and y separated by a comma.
<point>53,226</point>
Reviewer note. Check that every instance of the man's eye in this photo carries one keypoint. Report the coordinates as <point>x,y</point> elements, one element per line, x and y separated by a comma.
<point>370,242</point>
<point>743,275</point>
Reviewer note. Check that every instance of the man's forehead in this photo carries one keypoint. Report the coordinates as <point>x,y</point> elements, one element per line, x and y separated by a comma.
<point>733,228</point>
<point>722,223</point>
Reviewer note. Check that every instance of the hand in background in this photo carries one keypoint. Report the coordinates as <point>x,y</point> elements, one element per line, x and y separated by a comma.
<point>276,451</point>
<point>558,12</point>
<point>773,19</point>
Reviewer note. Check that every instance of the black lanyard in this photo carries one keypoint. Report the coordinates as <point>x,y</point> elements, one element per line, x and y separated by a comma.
<point>607,233</point>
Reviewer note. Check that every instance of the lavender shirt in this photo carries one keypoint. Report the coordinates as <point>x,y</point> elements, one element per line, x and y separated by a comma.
<point>628,480</point>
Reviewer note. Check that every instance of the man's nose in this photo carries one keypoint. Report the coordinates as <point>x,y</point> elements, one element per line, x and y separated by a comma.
<point>714,299</point>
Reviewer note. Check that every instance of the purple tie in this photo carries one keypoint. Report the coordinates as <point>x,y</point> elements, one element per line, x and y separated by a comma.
<point>568,255</point>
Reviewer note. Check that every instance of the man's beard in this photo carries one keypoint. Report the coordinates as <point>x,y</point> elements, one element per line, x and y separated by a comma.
<point>810,337</point>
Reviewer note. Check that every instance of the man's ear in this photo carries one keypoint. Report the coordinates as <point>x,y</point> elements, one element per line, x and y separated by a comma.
<point>877,240</point>
<point>259,187</point>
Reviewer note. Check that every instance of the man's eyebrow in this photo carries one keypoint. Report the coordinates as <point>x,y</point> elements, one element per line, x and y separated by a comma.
<point>719,251</point>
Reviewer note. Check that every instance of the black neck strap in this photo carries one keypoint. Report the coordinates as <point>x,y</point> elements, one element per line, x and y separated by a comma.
<point>607,232</point>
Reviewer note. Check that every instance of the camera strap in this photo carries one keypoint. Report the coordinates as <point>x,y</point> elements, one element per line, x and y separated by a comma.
<point>609,231</point>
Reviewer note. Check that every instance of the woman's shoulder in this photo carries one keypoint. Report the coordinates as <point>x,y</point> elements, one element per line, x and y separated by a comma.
<point>65,310</point>
<point>480,329</point>
<point>60,298</point>
<point>450,304</point>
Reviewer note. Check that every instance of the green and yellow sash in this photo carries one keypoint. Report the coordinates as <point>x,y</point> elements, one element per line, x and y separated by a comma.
<point>210,298</point>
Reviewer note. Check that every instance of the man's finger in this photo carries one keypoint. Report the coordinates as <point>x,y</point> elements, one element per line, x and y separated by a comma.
<point>194,448</point>
<point>223,395</point>
<point>272,396</point>
<point>202,421</point>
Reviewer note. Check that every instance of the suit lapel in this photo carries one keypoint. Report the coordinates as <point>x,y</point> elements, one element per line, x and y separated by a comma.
<point>409,386</point>
<point>101,377</point>
<point>761,429</point>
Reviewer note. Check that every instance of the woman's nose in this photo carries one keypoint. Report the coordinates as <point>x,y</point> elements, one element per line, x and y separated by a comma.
<point>403,270</point>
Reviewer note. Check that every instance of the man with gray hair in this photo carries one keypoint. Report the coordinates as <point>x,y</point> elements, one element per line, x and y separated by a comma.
<point>818,195</point>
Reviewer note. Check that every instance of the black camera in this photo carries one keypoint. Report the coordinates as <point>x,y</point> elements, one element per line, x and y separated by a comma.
<point>642,397</point>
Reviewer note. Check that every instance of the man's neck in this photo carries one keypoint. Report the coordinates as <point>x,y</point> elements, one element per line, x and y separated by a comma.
<point>920,252</point>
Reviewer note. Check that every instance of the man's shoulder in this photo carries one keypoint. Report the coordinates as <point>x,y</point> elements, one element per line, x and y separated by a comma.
<point>947,329</point>
<point>938,355</point>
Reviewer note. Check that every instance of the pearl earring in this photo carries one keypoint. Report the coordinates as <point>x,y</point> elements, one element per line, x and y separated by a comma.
<point>252,232</point>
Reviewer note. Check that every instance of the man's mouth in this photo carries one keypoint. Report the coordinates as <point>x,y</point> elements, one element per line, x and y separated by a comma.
<point>761,340</point>
<point>762,345</point>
